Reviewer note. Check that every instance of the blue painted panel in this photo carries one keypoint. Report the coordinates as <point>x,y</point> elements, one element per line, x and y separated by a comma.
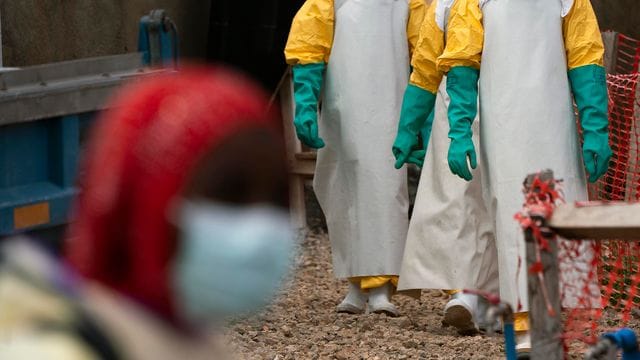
<point>23,153</point>
<point>59,201</point>
<point>38,163</point>
<point>27,193</point>
<point>64,141</point>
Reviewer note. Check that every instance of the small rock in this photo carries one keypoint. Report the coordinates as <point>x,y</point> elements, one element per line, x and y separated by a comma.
<point>270,341</point>
<point>366,326</point>
<point>286,331</point>
<point>411,344</point>
<point>342,355</point>
<point>406,324</point>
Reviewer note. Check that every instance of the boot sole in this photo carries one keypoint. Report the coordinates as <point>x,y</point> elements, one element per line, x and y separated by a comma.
<point>391,312</point>
<point>496,328</point>
<point>349,309</point>
<point>460,318</point>
<point>523,351</point>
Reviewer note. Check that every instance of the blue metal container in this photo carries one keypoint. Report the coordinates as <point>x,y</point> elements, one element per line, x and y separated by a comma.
<point>44,112</point>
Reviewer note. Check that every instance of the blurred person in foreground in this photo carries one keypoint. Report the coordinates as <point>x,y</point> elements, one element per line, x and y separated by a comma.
<point>182,221</point>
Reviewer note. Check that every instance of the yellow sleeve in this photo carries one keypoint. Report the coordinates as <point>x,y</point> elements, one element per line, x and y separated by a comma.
<point>465,36</point>
<point>417,9</point>
<point>582,39</point>
<point>430,45</point>
<point>311,35</point>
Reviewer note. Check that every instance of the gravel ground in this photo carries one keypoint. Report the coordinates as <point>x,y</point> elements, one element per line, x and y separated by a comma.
<point>303,324</point>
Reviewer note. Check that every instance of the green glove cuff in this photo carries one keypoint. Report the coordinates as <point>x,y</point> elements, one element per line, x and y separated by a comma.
<point>462,87</point>
<point>589,86</point>
<point>307,82</point>
<point>417,104</point>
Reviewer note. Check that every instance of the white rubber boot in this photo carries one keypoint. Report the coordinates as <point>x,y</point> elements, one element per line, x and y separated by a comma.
<point>460,313</point>
<point>355,302</point>
<point>523,345</point>
<point>483,321</point>
<point>379,301</point>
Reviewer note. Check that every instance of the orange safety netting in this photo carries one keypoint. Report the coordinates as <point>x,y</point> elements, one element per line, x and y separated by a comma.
<point>613,265</point>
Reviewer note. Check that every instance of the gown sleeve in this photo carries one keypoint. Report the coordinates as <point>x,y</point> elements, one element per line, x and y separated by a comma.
<point>465,36</point>
<point>417,10</point>
<point>582,38</point>
<point>311,35</point>
<point>429,47</point>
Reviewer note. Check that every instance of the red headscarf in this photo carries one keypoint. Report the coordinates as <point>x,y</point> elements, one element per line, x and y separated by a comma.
<point>139,158</point>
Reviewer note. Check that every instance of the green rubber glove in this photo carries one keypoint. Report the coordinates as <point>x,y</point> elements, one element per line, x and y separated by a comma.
<point>589,85</point>
<point>415,118</point>
<point>307,81</point>
<point>462,87</point>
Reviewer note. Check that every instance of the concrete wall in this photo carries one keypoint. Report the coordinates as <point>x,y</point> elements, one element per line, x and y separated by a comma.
<point>41,31</point>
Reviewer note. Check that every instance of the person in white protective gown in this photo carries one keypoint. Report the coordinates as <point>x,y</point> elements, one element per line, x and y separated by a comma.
<point>357,54</point>
<point>450,243</point>
<point>535,55</point>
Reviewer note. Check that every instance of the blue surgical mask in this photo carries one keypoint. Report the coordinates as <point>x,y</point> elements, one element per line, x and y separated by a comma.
<point>232,259</point>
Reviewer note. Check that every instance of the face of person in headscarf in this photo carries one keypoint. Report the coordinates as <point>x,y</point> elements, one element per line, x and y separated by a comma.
<point>184,199</point>
<point>235,238</point>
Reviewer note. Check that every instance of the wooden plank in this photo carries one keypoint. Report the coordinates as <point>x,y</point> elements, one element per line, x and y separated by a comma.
<point>297,202</point>
<point>296,182</point>
<point>303,168</point>
<point>597,221</point>
<point>287,109</point>
<point>307,155</point>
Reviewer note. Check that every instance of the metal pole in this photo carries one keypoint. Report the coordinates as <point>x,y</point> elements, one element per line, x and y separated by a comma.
<point>544,296</point>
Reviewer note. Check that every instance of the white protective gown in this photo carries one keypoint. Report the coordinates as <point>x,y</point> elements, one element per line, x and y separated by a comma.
<point>365,200</point>
<point>450,244</point>
<point>528,122</point>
